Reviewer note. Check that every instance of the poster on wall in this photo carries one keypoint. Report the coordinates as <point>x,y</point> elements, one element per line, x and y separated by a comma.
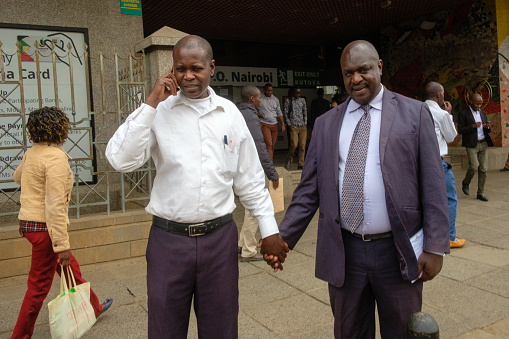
<point>39,80</point>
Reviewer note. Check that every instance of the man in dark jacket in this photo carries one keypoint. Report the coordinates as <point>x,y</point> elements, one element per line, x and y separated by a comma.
<point>473,124</point>
<point>318,107</point>
<point>251,101</point>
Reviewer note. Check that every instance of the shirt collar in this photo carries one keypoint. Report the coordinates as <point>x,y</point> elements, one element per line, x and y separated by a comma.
<point>181,99</point>
<point>474,112</point>
<point>433,103</point>
<point>375,103</point>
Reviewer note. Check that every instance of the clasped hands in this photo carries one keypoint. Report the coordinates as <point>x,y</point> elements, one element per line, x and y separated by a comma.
<point>274,250</point>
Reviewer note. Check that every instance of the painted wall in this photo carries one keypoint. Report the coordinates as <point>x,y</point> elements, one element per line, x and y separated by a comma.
<point>457,48</point>
<point>503,60</point>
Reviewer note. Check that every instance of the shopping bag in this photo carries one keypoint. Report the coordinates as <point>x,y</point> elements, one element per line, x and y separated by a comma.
<point>70,314</point>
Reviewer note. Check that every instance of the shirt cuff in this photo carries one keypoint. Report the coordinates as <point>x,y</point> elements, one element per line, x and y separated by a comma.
<point>268,226</point>
<point>437,253</point>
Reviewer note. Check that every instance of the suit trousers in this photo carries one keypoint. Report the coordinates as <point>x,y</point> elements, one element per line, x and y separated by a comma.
<point>507,162</point>
<point>372,274</point>
<point>298,137</point>
<point>452,199</point>
<point>270,137</point>
<point>247,238</point>
<point>477,161</point>
<point>180,267</point>
<point>40,278</point>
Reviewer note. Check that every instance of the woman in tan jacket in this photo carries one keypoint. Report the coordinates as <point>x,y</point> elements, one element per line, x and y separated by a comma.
<point>46,182</point>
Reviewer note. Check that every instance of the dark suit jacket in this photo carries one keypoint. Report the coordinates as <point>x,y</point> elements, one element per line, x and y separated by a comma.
<point>414,182</point>
<point>469,133</point>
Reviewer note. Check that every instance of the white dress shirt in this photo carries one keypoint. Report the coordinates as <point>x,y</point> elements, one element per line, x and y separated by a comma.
<point>477,118</point>
<point>444,126</point>
<point>376,218</point>
<point>201,150</point>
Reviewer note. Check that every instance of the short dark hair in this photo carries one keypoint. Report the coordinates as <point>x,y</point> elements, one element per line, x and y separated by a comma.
<point>247,92</point>
<point>195,41</point>
<point>48,124</point>
<point>320,92</point>
<point>267,85</point>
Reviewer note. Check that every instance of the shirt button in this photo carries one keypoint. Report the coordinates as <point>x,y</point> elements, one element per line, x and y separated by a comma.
<point>55,245</point>
<point>203,138</point>
<point>204,159</point>
<point>204,182</point>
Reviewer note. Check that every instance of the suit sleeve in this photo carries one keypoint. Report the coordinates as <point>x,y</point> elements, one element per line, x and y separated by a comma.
<point>435,212</point>
<point>463,126</point>
<point>305,199</point>
<point>268,167</point>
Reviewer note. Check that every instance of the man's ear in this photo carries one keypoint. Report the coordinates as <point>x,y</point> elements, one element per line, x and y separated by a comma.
<point>212,67</point>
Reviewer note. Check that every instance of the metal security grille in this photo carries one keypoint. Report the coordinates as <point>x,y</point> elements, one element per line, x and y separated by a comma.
<point>96,185</point>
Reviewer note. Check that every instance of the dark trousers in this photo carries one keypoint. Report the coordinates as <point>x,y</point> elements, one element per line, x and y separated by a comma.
<point>179,268</point>
<point>372,274</point>
<point>42,270</point>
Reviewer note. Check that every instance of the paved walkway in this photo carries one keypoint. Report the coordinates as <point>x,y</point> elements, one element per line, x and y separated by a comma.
<point>469,299</point>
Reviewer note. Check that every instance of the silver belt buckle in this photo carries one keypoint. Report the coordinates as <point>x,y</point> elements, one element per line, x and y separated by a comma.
<point>363,239</point>
<point>192,231</point>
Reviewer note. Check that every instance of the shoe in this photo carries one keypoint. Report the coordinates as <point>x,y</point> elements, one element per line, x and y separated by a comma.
<point>464,188</point>
<point>482,197</point>
<point>299,167</point>
<point>106,305</point>
<point>457,243</point>
<point>287,165</point>
<point>240,250</point>
<point>257,257</point>
<point>504,169</point>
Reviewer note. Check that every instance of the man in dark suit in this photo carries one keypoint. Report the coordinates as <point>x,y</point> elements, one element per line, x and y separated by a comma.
<point>381,245</point>
<point>473,124</point>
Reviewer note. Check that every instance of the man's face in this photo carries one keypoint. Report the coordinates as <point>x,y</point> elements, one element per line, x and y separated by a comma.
<point>268,91</point>
<point>257,99</point>
<point>361,74</point>
<point>296,93</point>
<point>193,71</point>
<point>476,102</point>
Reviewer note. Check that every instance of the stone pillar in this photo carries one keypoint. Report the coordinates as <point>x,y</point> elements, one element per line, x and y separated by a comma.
<point>503,62</point>
<point>158,49</point>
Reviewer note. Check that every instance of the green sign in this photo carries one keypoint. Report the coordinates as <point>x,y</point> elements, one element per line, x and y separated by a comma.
<point>130,7</point>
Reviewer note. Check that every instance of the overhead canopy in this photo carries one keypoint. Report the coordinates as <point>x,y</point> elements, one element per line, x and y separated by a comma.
<point>311,22</point>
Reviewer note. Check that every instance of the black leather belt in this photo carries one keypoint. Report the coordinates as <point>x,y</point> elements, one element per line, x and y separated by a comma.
<point>194,229</point>
<point>482,140</point>
<point>369,237</point>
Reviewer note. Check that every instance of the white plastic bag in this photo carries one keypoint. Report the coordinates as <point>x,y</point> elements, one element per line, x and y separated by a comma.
<point>70,314</point>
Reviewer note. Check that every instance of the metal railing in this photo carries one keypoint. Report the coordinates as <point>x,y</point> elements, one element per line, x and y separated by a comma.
<point>96,185</point>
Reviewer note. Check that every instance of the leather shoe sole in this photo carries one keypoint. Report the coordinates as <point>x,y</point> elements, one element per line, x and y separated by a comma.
<point>504,170</point>
<point>482,197</point>
<point>465,189</point>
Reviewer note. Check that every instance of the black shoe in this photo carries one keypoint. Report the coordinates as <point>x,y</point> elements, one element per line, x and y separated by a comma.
<point>299,167</point>
<point>464,188</point>
<point>504,170</point>
<point>482,197</point>
<point>240,250</point>
<point>287,165</point>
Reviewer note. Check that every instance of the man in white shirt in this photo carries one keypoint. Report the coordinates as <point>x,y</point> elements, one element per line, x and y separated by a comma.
<point>203,153</point>
<point>446,132</point>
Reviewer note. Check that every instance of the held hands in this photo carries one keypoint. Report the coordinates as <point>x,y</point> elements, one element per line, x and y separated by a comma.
<point>477,125</point>
<point>274,250</point>
<point>64,258</point>
<point>429,265</point>
<point>165,86</point>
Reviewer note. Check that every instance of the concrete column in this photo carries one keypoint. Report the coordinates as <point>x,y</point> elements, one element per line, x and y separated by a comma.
<point>158,49</point>
<point>503,62</point>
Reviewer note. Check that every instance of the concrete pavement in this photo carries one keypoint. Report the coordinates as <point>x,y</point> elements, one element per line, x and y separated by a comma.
<point>469,299</point>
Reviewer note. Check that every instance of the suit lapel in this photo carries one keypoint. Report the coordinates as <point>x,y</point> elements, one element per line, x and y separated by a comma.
<point>389,109</point>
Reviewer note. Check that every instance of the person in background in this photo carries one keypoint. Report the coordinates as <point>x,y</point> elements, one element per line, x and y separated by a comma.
<point>473,124</point>
<point>270,113</point>
<point>46,182</point>
<point>318,107</point>
<point>506,167</point>
<point>251,100</point>
<point>295,112</point>
<point>446,132</point>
